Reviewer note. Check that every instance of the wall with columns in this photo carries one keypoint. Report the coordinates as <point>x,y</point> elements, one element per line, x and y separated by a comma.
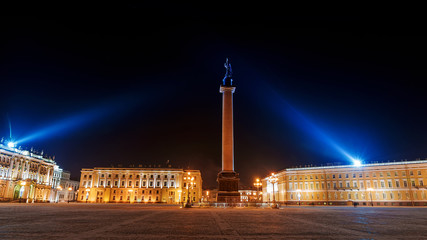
<point>380,184</point>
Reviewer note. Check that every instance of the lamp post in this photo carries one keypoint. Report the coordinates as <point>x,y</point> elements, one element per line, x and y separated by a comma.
<point>257,184</point>
<point>370,194</point>
<point>68,195</point>
<point>190,181</point>
<point>273,179</point>
<point>299,196</point>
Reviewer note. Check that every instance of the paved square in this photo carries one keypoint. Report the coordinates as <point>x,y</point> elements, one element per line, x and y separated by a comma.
<point>124,221</point>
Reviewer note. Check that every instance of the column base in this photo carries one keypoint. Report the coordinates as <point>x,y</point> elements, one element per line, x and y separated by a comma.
<point>228,187</point>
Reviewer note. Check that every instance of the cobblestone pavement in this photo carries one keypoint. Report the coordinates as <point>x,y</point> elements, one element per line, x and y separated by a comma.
<point>124,221</point>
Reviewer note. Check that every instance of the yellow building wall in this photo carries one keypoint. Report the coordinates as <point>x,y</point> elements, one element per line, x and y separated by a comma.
<point>403,184</point>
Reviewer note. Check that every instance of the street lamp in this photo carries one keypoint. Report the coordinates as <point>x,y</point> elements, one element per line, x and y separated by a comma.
<point>68,195</point>
<point>257,184</point>
<point>190,181</point>
<point>273,179</point>
<point>370,194</point>
<point>299,196</point>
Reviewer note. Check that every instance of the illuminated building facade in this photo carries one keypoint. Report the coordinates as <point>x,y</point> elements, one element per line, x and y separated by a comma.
<point>139,185</point>
<point>209,196</point>
<point>25,176</point>
<point>250,195</point>
<point>67,189</point>
<point>378,184</point>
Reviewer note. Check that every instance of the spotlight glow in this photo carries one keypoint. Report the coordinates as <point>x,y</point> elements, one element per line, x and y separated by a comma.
<point>11,144</point>
<point>357,162</point>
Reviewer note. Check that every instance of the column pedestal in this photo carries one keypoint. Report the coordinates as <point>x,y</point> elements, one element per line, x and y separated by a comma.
<point>228,187</point>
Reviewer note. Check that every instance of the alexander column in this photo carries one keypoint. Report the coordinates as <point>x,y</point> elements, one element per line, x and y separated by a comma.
<point>228,179</point>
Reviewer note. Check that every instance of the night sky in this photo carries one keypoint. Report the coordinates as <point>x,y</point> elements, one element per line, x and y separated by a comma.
<point>131,90</point>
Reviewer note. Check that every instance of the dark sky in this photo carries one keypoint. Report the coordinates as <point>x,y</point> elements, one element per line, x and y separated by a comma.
<point>137,89</point>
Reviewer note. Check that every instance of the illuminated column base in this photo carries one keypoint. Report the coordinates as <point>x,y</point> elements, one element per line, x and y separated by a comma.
<point>228,187</point>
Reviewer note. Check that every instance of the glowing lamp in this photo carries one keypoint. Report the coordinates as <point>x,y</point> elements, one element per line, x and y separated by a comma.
<point>11,144</point>
<point>357,163</point>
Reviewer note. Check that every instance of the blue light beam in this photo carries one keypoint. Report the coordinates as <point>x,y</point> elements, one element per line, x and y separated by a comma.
<point>309,127</point>
<point>81,119</point>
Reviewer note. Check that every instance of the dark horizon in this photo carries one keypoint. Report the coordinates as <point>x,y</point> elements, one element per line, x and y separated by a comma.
<point>98,93</point>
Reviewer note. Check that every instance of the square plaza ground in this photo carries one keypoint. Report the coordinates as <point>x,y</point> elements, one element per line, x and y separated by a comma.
<point>124,221</point>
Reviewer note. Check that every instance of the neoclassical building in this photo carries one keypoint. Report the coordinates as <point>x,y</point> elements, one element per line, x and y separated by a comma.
<point>67,188</point>
<point>378,184</point>
<point>139,185</point>
<point>25,176</point>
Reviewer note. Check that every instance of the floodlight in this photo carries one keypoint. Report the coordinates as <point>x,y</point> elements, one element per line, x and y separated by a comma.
<point>357,162</point>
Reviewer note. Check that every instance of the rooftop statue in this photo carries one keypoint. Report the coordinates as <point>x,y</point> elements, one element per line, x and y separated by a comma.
<point>228,71</point>
<point>227,81</point>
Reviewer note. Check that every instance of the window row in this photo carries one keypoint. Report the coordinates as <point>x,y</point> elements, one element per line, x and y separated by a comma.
<point>335,185</point>
<point>131,176</point>
<point>353,175</point>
